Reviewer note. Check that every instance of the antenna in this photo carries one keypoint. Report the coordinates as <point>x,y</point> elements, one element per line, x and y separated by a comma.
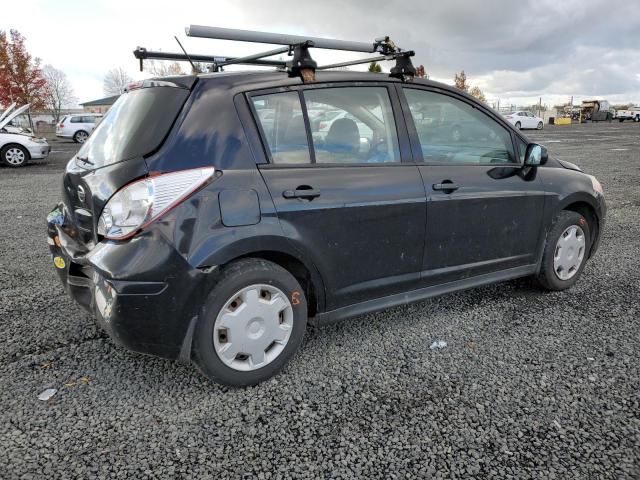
<point>193,65</point>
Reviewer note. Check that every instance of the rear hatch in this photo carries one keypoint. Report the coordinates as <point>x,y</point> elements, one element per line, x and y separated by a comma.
<point>114,155</point>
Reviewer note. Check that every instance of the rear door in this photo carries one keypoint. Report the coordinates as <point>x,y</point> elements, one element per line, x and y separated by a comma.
<point>484,211</point>
<point>343,193</point>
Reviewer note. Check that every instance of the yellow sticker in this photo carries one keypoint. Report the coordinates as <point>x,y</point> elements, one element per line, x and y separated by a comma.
<point>58,262</point>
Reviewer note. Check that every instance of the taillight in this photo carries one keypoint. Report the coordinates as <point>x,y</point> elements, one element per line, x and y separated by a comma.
<point>142,202</point>
<point>322,125</point>
<point>62,125</point>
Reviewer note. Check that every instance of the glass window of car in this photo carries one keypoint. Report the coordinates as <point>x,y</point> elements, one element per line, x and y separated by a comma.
<point>76,119</point>
<point>453,131</point>
<point>88,119</point>
<point>352,125</point>
<point>280,116</point>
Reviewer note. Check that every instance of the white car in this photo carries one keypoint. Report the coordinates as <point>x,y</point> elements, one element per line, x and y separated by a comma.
<point>523,119</point>
<point>16,149</point>
<point>78,127</point>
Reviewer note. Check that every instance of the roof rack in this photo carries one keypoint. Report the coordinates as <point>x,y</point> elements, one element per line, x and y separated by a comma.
<point>296,46</point>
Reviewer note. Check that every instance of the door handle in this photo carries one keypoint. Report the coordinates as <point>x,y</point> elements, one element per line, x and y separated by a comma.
<point>306,193</point>
<point>446,187</point>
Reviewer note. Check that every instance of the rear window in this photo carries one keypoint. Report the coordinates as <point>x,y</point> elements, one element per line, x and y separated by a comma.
<point>134,126</point>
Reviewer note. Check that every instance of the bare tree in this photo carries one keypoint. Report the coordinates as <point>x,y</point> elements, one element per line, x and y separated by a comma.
<point>163,69</point>
<point>58,92</point>
<point>115,82</point>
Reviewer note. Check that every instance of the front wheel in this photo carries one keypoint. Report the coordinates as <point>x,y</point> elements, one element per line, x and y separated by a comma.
<point>518,126</point>
<point>540,125</point>
<point>251,324</point>
<point>14,156</point>
<point>565,252</point>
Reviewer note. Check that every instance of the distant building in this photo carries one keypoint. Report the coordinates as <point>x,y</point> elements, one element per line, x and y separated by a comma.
<point>99,106</point>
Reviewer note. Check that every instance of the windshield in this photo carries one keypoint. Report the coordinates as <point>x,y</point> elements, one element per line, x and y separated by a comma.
<point>134,126</point>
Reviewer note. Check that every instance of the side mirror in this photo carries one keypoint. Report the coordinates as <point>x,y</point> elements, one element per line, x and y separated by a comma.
<point>536,155</point>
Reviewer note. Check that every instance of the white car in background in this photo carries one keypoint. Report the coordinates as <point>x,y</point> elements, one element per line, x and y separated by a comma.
<point>78,126</point>
<point>17,147</point>
<point>522,119</point>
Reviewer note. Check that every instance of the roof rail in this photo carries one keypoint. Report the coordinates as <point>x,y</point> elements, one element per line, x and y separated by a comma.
<point>296,46</point>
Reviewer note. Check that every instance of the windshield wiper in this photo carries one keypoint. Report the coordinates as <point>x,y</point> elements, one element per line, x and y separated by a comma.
<point>85,160</point>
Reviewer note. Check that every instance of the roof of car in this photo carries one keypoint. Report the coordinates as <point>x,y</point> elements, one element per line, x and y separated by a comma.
<point>271,78</point>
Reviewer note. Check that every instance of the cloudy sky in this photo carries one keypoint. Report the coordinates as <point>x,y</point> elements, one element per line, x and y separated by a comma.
<point>516,51</point>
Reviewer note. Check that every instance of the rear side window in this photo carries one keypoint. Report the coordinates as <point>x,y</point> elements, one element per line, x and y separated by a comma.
<point>454,132</point>
<point>280,116</point>
<point>347,125</point>
<point>76,119</point>
<point>359,128</point>
<point>134,126</point>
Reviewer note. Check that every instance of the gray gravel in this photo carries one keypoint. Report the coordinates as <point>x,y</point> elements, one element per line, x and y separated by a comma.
<point>530,385</point>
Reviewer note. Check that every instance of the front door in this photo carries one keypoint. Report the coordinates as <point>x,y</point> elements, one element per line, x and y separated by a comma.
<point>342,193</point>
<point>484,211</point>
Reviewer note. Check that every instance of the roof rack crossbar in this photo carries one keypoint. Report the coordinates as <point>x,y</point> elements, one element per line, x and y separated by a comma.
<point>142,53</point>
<point>257,56</point>
<point>357,62</point>
<point>218,33</point>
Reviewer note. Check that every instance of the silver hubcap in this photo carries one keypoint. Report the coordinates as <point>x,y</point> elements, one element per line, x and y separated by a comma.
<point>569,252</point>
<point>81,137</point>
<point>14,156</point>
<point>253,327</point>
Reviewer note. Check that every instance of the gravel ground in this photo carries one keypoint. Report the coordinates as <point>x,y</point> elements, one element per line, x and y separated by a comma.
<point>530,385</point>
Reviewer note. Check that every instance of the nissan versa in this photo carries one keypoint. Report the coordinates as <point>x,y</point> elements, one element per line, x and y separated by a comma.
<point>210,217</point>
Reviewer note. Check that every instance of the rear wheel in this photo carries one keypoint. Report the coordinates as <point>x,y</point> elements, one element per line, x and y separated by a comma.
<point>80,136</point>
<point>518,125</point>
<point>565,252</point>
<point>252,323</point>
<point>14,156</point>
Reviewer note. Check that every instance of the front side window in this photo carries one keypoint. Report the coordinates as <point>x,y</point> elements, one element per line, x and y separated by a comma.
<point>453,131</point>
<point>352,125</point>
<point>280,116</point>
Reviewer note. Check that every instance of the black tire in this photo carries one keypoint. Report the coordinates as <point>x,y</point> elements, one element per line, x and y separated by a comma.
<point>547,277</point>
<point>518,126</point>
<point>540,125</point>
<point>77,136</point>
<point>12,146</point>
<point>233,278</point>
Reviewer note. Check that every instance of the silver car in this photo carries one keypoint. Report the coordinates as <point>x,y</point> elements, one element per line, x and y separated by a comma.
<point>18,146</point>
<point>78,127</point>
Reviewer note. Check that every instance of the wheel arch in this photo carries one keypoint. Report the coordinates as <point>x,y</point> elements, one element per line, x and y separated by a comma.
<point>78,131</point>
<point>16,144</point>
<point>312,284</point>
<point>275,249</point>
<point>589,212</point>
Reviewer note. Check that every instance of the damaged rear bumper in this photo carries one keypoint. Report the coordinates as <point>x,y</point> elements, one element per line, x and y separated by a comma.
<point>142,292</point>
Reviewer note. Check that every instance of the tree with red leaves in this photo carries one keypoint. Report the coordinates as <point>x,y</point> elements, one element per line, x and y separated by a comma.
<point>21,78</point>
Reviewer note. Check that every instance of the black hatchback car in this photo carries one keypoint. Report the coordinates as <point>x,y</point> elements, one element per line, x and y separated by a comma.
<point>209,217</point>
